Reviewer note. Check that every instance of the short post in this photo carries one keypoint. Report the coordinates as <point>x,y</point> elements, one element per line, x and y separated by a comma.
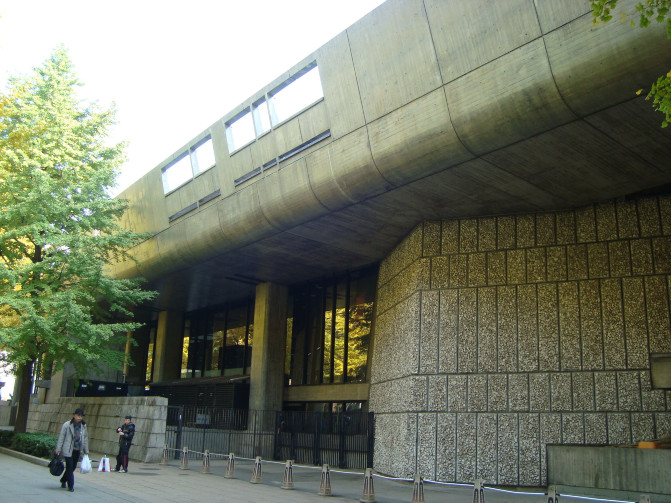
<point>288,479</point>
<point>418,490</point>
<point>184,459</point>
<point>479,492</point>
<point>206,462</point>
<point>256,471</point>
<point>325,483</point>
<point>164,458</point>
<point>230,467</point>
<point>644,499</point>
<point>368,494</point>
<point>553,495</point>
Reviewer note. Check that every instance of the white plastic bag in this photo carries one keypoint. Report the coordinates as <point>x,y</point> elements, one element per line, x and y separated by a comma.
<point>104,464</point>
<point>85,466</point>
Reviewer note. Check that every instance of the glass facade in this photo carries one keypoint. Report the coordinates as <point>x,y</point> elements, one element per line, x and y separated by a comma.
<point>331,323</point>
<point>218,342</point>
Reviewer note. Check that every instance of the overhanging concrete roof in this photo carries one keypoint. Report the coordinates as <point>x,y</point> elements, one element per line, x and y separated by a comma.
<point>436,110</point>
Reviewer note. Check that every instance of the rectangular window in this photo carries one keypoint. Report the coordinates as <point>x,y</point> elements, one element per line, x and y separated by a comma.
<point>295,95</point>
<point>202,157</point>
<point>285,101</point>
<point>186,338</point>
<point>240,131</point>
<point>360,319</point>
<point>261,117</point>
<point>149,369</point>
<point>331,329</point>
<point>236,340</point>
<point>176,174</point>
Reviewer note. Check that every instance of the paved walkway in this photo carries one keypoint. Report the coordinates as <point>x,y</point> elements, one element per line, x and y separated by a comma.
<point>28,481</point>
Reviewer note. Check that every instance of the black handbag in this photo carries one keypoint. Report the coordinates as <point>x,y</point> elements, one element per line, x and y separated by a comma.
<point>56,466</point>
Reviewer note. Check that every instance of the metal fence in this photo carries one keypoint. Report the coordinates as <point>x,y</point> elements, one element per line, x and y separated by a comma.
<point>343,439</point>
<point>340,439</point>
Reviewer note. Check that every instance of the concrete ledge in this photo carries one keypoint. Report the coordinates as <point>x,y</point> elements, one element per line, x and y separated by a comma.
<point>24,456</point>
<point>638,471</point>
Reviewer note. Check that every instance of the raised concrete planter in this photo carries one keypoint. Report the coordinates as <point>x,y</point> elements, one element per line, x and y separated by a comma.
<point>644,471</point>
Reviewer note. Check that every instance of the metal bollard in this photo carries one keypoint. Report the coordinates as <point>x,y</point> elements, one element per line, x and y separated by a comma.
<point>230,467</point>
<point>184,459</point>
<point>553,495</point>
<point>418,490</point>
<point>206,463</point>
<point>256,471</point>
<point>368,494</point>
<point>164,458</point>
<point>288,479</point>
<point>325,483</point>
<point>479,492</point>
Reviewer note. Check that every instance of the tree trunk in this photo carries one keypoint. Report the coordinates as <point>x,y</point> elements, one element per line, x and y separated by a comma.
<point>25,374</point>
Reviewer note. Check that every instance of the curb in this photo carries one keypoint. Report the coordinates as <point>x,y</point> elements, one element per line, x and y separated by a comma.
<point>24,456</point>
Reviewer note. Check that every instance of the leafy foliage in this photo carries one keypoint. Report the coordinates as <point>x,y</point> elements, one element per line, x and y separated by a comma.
<point>35,444</point>
<point>648,10</point>
<point>59,227</point>
<point>6,438</point>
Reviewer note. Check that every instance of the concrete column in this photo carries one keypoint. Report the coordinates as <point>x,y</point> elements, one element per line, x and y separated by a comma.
<point>168,346</point>
<point>268,349</point>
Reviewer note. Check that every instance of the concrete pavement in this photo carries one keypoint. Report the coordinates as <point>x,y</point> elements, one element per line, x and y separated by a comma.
<point>28,481</point>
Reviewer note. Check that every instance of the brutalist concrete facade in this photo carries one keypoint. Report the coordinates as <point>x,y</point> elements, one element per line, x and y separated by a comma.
<point>496,336</point>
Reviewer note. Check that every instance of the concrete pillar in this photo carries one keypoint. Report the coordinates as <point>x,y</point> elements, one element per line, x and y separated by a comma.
<point>268,349</point>
<point>168,346</point>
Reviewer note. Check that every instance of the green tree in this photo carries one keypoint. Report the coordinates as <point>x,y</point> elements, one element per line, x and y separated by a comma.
<point>59,230</point>
<point>648,10</point>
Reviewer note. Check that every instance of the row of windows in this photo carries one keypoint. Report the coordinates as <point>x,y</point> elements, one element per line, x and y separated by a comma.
<point>197,159</point>
<point>329,325</point>
<point>285,101</point>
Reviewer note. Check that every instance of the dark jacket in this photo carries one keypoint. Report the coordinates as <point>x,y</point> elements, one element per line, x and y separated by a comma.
<point>126,439</point>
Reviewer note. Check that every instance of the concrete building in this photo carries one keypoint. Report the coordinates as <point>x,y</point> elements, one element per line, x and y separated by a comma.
<point>455,215</point>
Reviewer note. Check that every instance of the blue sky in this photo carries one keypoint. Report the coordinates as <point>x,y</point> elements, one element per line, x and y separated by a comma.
<point>171,67</point>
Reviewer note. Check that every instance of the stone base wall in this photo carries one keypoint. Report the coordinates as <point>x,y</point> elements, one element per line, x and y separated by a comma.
<point>103,416</point>
<point>497,336</point>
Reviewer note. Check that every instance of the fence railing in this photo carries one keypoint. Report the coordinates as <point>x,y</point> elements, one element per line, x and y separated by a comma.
<point>339,439</point>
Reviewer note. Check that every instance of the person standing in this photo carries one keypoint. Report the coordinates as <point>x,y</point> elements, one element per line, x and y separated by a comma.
<point>126,432</point>
<point>72,440</point>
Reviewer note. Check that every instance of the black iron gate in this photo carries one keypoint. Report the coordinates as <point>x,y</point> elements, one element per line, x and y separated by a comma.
<point>342,439</point>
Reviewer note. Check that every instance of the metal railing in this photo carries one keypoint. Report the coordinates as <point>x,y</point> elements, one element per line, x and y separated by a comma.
<point>342,439</point>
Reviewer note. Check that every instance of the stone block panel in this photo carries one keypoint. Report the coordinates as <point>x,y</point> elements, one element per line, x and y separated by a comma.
<point>431,239</point>
<point>426,448</point>
<point>402,256</point>
<point>530,448</point>
<point>415,277</point>
<point>649,217</point>
<point>486,448</point>
<point>397,328</point>
<point>395,444</point>
<point>408,394</point>
<point>428,360</point>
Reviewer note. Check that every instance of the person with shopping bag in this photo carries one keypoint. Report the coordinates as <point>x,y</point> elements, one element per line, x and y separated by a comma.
<point>72,441</point>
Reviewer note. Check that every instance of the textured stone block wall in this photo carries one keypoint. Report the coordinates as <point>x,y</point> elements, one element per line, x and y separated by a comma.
<point>103,416</point>
<point>496,336</point>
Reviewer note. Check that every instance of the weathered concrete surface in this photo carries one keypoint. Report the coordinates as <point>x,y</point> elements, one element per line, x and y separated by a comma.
<point>437,110</point>
<point>623,469</point>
